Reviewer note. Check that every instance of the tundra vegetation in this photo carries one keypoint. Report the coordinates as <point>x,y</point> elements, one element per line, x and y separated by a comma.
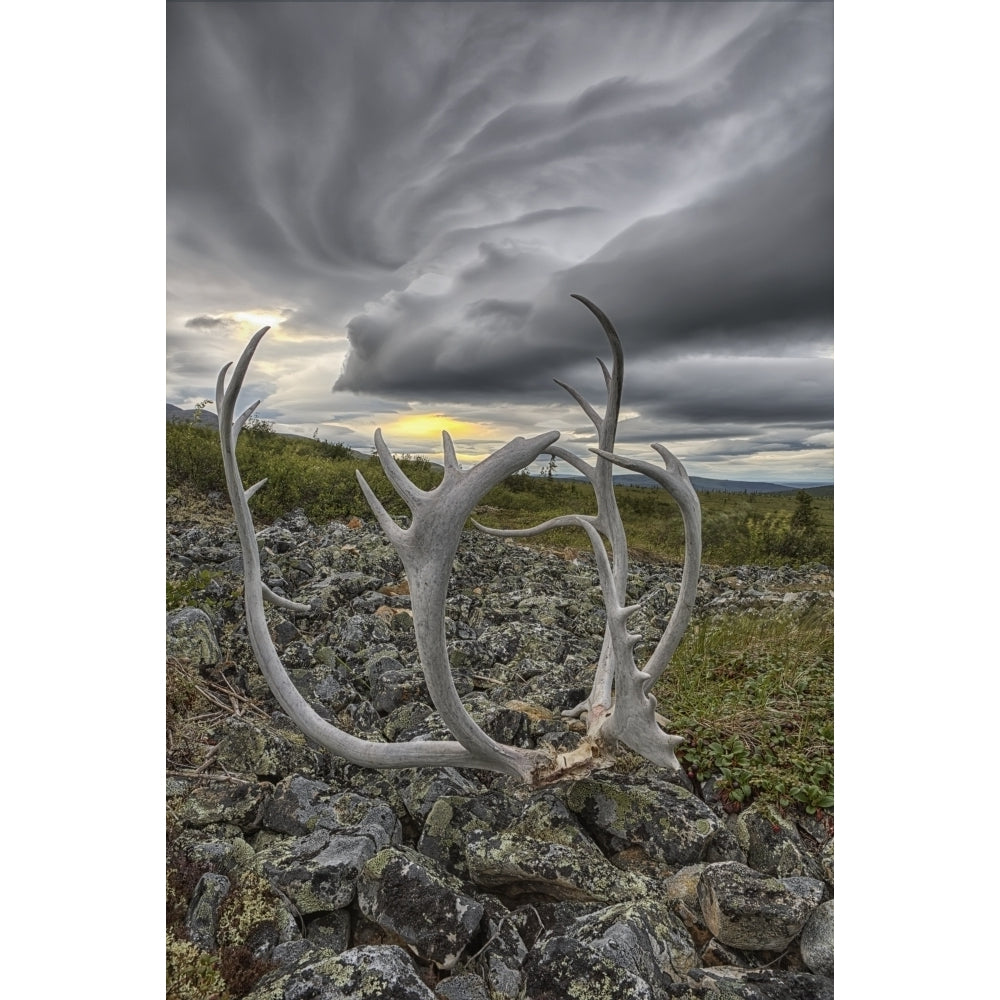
<point>749,697</point>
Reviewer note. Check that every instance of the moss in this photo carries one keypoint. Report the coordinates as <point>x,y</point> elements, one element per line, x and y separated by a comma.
<point>439,819</point>
<point>192,974</point>
<point>375,866</point>
<point>250,909</point>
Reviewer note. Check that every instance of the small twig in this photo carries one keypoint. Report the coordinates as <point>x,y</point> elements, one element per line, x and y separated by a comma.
<point>246,779</point>
<point>208,759</point>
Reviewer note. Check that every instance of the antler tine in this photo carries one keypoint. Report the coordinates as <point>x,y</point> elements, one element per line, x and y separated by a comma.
<point>674,478</point>
<point>226,398</point>
<point>451,463</point>
<point>562,521</point>
<point>384,518</point>
<point>407,491</point>
<point>595,418</point>
<point>251,490</point>
<point>608,378</point>
<point>241,420</point>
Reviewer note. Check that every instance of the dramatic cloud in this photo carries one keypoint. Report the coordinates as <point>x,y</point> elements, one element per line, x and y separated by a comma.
<point>409,194</point>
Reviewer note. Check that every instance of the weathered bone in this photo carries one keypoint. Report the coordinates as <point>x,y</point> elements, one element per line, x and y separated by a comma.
<point>353,749</point>
<point>619,707</point>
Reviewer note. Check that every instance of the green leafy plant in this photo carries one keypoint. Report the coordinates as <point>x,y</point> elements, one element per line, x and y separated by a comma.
<point>753,697</point>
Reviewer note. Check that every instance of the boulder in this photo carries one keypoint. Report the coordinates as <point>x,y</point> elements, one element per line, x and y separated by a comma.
<point>817,940</point>
<point>645,937</point>
<point>202,802</point>
<point>772,844</point>
<point>191,636</point>
<point>565,969</point>
<point>375,972</point>
<point>745,909</point>
<point>318,872</point>
<point>667,821</point>
<point>408,895</point>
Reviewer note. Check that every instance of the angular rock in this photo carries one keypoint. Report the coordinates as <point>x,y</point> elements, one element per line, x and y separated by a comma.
<point>668,822</point>
<point>330,930</point>
<point>745,909</point>
<point>826,860</point>
<point>394,688</point>
<point>318,872</point>
<point>223,854</point>
<point>772,844</point>
<point>547,851</point>
<point>464,987</point>
<point>450,824</point>
<point>751,984</point>
<point>405,893</point>
<point>361,816</point>
<point>644,937</point>
<point>249,747</point>
<point>817,940</point>
<point>191,636</point>
<point>425,786</point>
<point>202,802</point>
<point>565,969</point>
<point>203,913</point>
<point>523,864</point>
<point>500,963</point>
<point>296,805</point>
<point>376,972</point>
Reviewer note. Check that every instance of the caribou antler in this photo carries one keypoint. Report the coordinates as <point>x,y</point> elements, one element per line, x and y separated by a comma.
<point>353,749</point>
<point>619,707</point>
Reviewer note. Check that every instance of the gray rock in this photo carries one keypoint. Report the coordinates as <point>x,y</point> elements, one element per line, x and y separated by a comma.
<point>745,909</point>
<point>330,930</point>
<point>362,816</point>
<point>421,788</point>
<point>451,822</point>
<point>296,805</point>
<point>772,844</point>
<point>250,747</point>
<point>500,963</point>
<point>464,987</point>
<point>668,822</point>
<point>203,913</point>
<point>546,851</point>
<point>203,802</point>
<point>191,636</point>
<point>645,937</point>
<point>376,972</point>
<point>817,940</point>
<point>826,860</point>
<point>394,688</point>
<point>752,984</point>
<point>318,872</point>
<point>565,969</point>
<point>405,893</point>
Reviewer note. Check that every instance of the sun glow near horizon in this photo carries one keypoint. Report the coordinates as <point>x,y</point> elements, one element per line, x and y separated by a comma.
<point>420,433</point>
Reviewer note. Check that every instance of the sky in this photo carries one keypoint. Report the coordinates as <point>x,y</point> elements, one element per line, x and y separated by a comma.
<point>408,194</point>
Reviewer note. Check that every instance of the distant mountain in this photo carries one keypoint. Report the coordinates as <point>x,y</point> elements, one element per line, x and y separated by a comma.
<point>723,485</point>
<point>178,415</point>
<point>631,479</point>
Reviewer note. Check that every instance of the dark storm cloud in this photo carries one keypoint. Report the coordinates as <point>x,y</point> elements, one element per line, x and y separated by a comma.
<point>207,322</point>
<point>433,180</point>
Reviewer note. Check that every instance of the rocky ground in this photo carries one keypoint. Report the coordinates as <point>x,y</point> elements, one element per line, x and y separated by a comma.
<point>294,874</point>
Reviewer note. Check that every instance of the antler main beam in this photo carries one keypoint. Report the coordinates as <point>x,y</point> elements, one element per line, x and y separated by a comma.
<point>620,706</point>
<point>353,749</point>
